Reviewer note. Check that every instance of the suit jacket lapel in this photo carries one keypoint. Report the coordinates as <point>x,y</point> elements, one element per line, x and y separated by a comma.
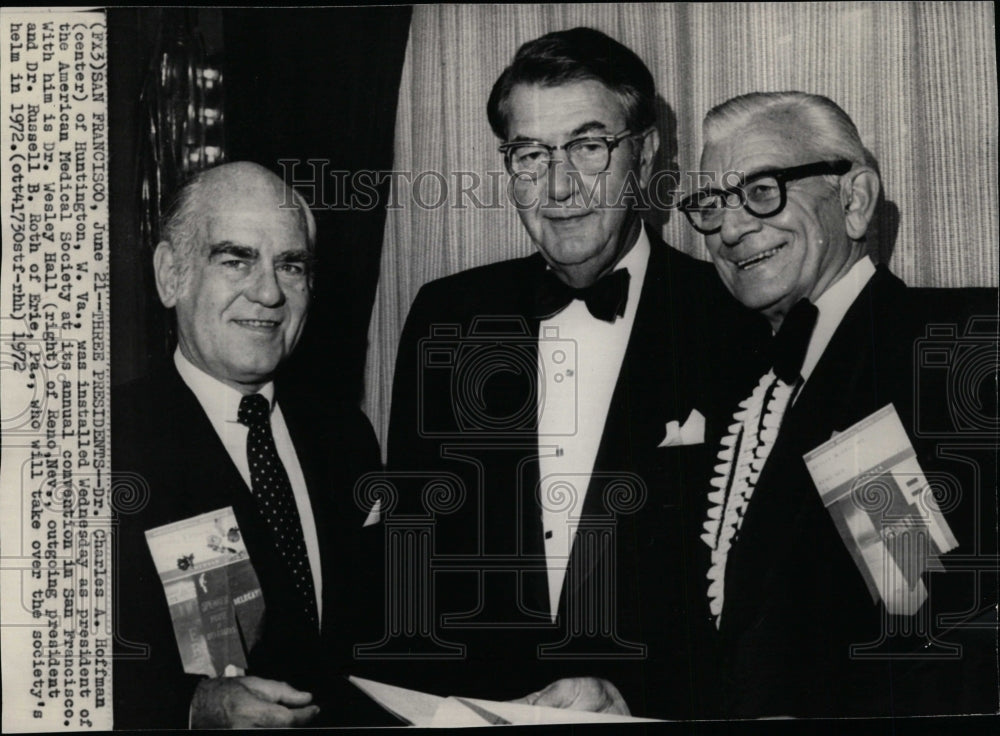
<point>225,485</point>
<point>304,435</point>
<point>204,448</point>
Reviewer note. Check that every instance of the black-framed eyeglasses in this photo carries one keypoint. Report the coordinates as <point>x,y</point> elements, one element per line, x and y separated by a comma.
<point>762,195</point>
<point>588,155</point>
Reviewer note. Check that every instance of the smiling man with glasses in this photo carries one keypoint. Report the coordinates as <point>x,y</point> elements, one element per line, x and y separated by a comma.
<point>555,387</point>
<point>798,630</point>
<point>797,222</point>
<point>574,151</point>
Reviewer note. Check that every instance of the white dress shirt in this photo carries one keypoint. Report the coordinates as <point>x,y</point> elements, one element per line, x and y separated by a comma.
<point>579,359</point>
<point>833,305</point>
<point>221,404</point>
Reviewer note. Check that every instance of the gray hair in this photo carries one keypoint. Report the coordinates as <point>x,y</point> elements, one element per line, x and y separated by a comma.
<point>181,223</point>
<point>826,130</point>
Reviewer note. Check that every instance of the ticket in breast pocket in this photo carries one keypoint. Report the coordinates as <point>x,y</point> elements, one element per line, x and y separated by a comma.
<point>881,503</point>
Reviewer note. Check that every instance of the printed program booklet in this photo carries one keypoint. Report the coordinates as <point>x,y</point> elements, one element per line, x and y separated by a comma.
<point>212,590</point>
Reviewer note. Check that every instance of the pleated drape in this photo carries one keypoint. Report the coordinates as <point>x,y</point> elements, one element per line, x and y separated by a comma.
<point>919,80</point>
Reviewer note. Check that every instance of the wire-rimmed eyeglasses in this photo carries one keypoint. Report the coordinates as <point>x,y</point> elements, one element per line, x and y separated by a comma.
<point>589,155</point>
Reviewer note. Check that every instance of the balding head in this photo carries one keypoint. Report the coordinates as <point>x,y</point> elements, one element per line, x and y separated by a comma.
<point>235,181</point>
<point>235,263</point>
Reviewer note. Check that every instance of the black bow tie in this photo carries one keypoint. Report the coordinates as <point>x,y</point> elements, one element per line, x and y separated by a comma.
<point>789,345</point>
<point>605,299</point>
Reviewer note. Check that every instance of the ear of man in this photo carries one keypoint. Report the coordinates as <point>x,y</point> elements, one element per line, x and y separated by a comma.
<point>166,266</point>
<point>647,155</point>
<point>859,193</point>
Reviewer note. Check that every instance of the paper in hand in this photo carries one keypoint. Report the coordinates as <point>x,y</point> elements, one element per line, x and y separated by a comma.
<point>212,590</point>
<point>871,483</point>
<point>421,709</point>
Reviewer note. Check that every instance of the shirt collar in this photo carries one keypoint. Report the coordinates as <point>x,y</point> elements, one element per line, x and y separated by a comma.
<point>833,305</point>
<point>220,401</point>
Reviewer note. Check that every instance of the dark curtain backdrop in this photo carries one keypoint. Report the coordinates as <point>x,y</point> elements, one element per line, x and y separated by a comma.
<point>317,84</point>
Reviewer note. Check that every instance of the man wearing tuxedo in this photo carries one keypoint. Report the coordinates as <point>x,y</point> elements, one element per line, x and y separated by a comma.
<point>796,631</point>
<point>558,392</point>
<point>210,429</point>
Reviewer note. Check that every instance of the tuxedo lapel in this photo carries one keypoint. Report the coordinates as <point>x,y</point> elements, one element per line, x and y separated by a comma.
<point>785,505</point>
<point>641,402</point>
<point>534,582</point>
<point>640,405</point>
<point>520,464</point>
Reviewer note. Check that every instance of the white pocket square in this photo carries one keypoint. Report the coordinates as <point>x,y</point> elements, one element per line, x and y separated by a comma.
<point>691,433</point>
<point>375,515</point>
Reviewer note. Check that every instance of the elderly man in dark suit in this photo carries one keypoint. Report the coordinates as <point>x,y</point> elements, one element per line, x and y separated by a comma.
<point>212,429</point>
<point>558,393</point>
<point>798,631</point>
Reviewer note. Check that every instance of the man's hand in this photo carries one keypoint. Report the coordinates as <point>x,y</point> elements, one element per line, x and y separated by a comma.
<point>247,702</point>
<point>580,693</point>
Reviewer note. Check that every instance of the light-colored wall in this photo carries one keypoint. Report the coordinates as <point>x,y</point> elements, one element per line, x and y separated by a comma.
<point>919,80</point>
